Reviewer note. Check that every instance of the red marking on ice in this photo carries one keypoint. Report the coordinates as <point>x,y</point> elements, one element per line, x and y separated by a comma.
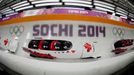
<point>119,50</point>
<point>37,54</point>
<point>67,51</point>
<point>88,47</point>
<point>27,49</point>
<point>73,51</point>
<point>41,55</point>
<point>6,41</point>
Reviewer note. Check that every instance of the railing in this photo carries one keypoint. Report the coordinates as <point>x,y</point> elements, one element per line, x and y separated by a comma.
<point>115,7</point>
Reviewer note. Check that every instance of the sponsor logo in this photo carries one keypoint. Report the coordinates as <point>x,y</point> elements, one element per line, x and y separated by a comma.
<point>69,30</point>
<point>88,47</point>
<point>120,32</point>
<point>16,30</point>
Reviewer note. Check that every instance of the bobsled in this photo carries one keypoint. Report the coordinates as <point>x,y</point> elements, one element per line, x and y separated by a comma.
<point>123,45</point>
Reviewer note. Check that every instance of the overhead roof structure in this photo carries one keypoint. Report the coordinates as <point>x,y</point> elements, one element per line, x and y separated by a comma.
<point>120,7</point>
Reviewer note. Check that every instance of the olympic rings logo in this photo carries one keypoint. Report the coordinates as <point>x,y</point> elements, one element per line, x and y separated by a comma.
<point>16,30</point>
<point>118,32</point>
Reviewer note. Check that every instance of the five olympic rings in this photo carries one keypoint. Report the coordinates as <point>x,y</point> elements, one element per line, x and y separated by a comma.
<point>16,30</point>
<point>118,32</point>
